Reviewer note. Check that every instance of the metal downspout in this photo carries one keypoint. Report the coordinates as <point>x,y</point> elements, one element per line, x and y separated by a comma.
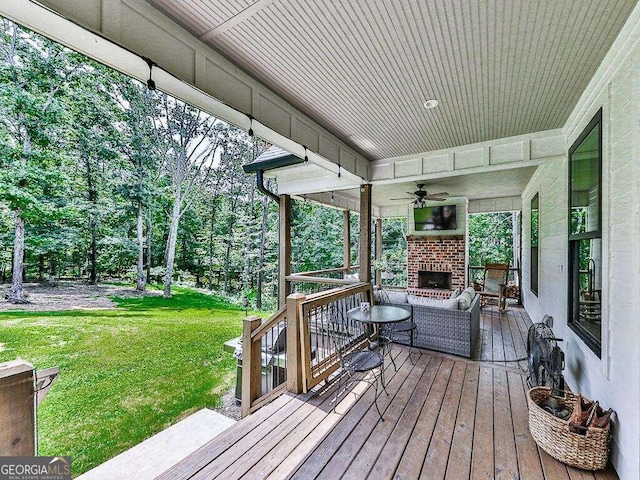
<point>263,189</point>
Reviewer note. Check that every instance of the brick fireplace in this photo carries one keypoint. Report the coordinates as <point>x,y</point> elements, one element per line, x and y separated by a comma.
<point>435,265</point>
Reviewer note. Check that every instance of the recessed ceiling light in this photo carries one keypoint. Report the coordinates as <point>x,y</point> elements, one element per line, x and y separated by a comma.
<point>431,103</point>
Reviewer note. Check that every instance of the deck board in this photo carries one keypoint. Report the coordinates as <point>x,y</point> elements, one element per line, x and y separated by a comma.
<point>463,432</point>
<point>482,459</point>
<point>362,463</point>
<point>435,462</point>
<point>506,461</point>
<point>529,464</point>
<point>356,439</point>
<point>444,417</point>
<point>390,456</point>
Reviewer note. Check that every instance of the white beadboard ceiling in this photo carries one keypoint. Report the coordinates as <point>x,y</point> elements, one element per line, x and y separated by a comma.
<point>363,68</point>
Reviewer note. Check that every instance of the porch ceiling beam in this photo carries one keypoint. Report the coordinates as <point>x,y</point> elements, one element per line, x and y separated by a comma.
<point>341,201</point>
<point>127,30</point>
<point>238,18</point>
<point>495,155</point>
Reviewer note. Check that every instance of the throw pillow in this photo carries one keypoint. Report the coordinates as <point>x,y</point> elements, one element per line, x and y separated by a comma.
<point>464,300</point>
<point>471,291</point>
<point>455,293</point>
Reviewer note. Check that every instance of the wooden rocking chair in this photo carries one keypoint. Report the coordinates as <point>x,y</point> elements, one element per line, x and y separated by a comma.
<point>494,284</point>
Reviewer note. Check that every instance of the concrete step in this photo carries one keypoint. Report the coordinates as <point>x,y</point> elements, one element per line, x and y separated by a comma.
<point>157,454</point>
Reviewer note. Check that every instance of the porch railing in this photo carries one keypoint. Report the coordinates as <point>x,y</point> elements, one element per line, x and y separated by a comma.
<point>320,280</point>
<point>309,356</point>
<point>319,359</point>
<point>264,360</point>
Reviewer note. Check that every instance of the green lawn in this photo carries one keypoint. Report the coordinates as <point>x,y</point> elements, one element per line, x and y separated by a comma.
<point>126,373</point>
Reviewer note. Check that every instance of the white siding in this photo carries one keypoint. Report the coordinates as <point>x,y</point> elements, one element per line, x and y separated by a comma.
<point>614,379</point>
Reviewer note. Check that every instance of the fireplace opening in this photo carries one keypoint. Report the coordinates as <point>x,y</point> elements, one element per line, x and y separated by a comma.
<point>427,279</point>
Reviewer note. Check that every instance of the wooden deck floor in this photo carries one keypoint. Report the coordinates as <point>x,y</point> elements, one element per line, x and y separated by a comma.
<point>444,417</point>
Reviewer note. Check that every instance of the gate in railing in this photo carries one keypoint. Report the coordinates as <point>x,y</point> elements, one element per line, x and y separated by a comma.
<point>308,355</point>
<point>264,360</point>
<point>318,314</point>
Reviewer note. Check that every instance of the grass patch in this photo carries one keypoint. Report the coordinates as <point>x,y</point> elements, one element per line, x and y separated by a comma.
<point>126,373</point>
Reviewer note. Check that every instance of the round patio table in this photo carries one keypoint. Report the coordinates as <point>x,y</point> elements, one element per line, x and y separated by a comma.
<point>379,315</point>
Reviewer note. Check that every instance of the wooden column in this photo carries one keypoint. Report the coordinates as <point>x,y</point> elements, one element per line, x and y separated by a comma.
<point>284,257</point>
<point>378,249</point>
<point>294,351</point>
<point>17,409</point>
<point>346,240</point>
<point>251,365</point>
<point>365,233</point>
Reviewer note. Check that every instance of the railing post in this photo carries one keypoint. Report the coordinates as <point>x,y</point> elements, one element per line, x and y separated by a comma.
<point>251,365</point>
<point>378,252</point>
<point>294,345</point>
<point>365,233</point>
<point>17,420</point>
<point>346,241</point>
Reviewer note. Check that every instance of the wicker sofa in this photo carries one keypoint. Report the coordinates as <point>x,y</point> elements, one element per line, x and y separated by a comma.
<point>448,330</point>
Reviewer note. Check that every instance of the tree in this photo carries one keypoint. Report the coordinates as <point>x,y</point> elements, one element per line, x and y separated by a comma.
<point>35,74</point>
<point>90,159</point>
<point>188,140</point>
<point>96,142</point>
<point>139,107</point>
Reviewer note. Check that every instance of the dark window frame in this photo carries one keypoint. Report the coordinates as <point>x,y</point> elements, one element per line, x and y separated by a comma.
<point>534,267</point>
<point>573,239</point>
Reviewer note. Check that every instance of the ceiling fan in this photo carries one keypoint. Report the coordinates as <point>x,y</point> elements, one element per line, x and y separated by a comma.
<point>421,196</point>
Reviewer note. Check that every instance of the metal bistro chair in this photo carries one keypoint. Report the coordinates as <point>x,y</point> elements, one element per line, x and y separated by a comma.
<point>401,332</point>
<point>347,337</point>
<point>494,285</point>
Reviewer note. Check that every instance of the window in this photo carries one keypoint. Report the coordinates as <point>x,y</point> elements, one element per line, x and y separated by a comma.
<point>535,229</point>
<point>585,234</point>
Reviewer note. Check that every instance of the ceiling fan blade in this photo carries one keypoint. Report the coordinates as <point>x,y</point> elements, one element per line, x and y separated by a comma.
<point>403,198</point>
<point>434,199</point>
<point>439,194</point>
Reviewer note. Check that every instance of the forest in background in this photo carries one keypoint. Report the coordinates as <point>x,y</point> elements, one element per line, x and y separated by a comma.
<point>102,178</point>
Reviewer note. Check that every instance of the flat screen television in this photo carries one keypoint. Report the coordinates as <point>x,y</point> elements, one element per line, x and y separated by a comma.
<point>437,217</point>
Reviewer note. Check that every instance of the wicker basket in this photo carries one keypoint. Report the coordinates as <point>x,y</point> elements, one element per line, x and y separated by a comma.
<point>589,452</point>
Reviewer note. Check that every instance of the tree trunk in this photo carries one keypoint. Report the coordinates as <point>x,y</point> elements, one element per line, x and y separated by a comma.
<point>171,245</point>
<point>140,284</point>
<point>17,290</point>
<point>211,238</point>
<point>149,244</point>
<point>227,274</point>
<point>41,267</point>
<point>52,268</point>
<point>92,196</point>
<point>93,272</point>
<point>263,234</point>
